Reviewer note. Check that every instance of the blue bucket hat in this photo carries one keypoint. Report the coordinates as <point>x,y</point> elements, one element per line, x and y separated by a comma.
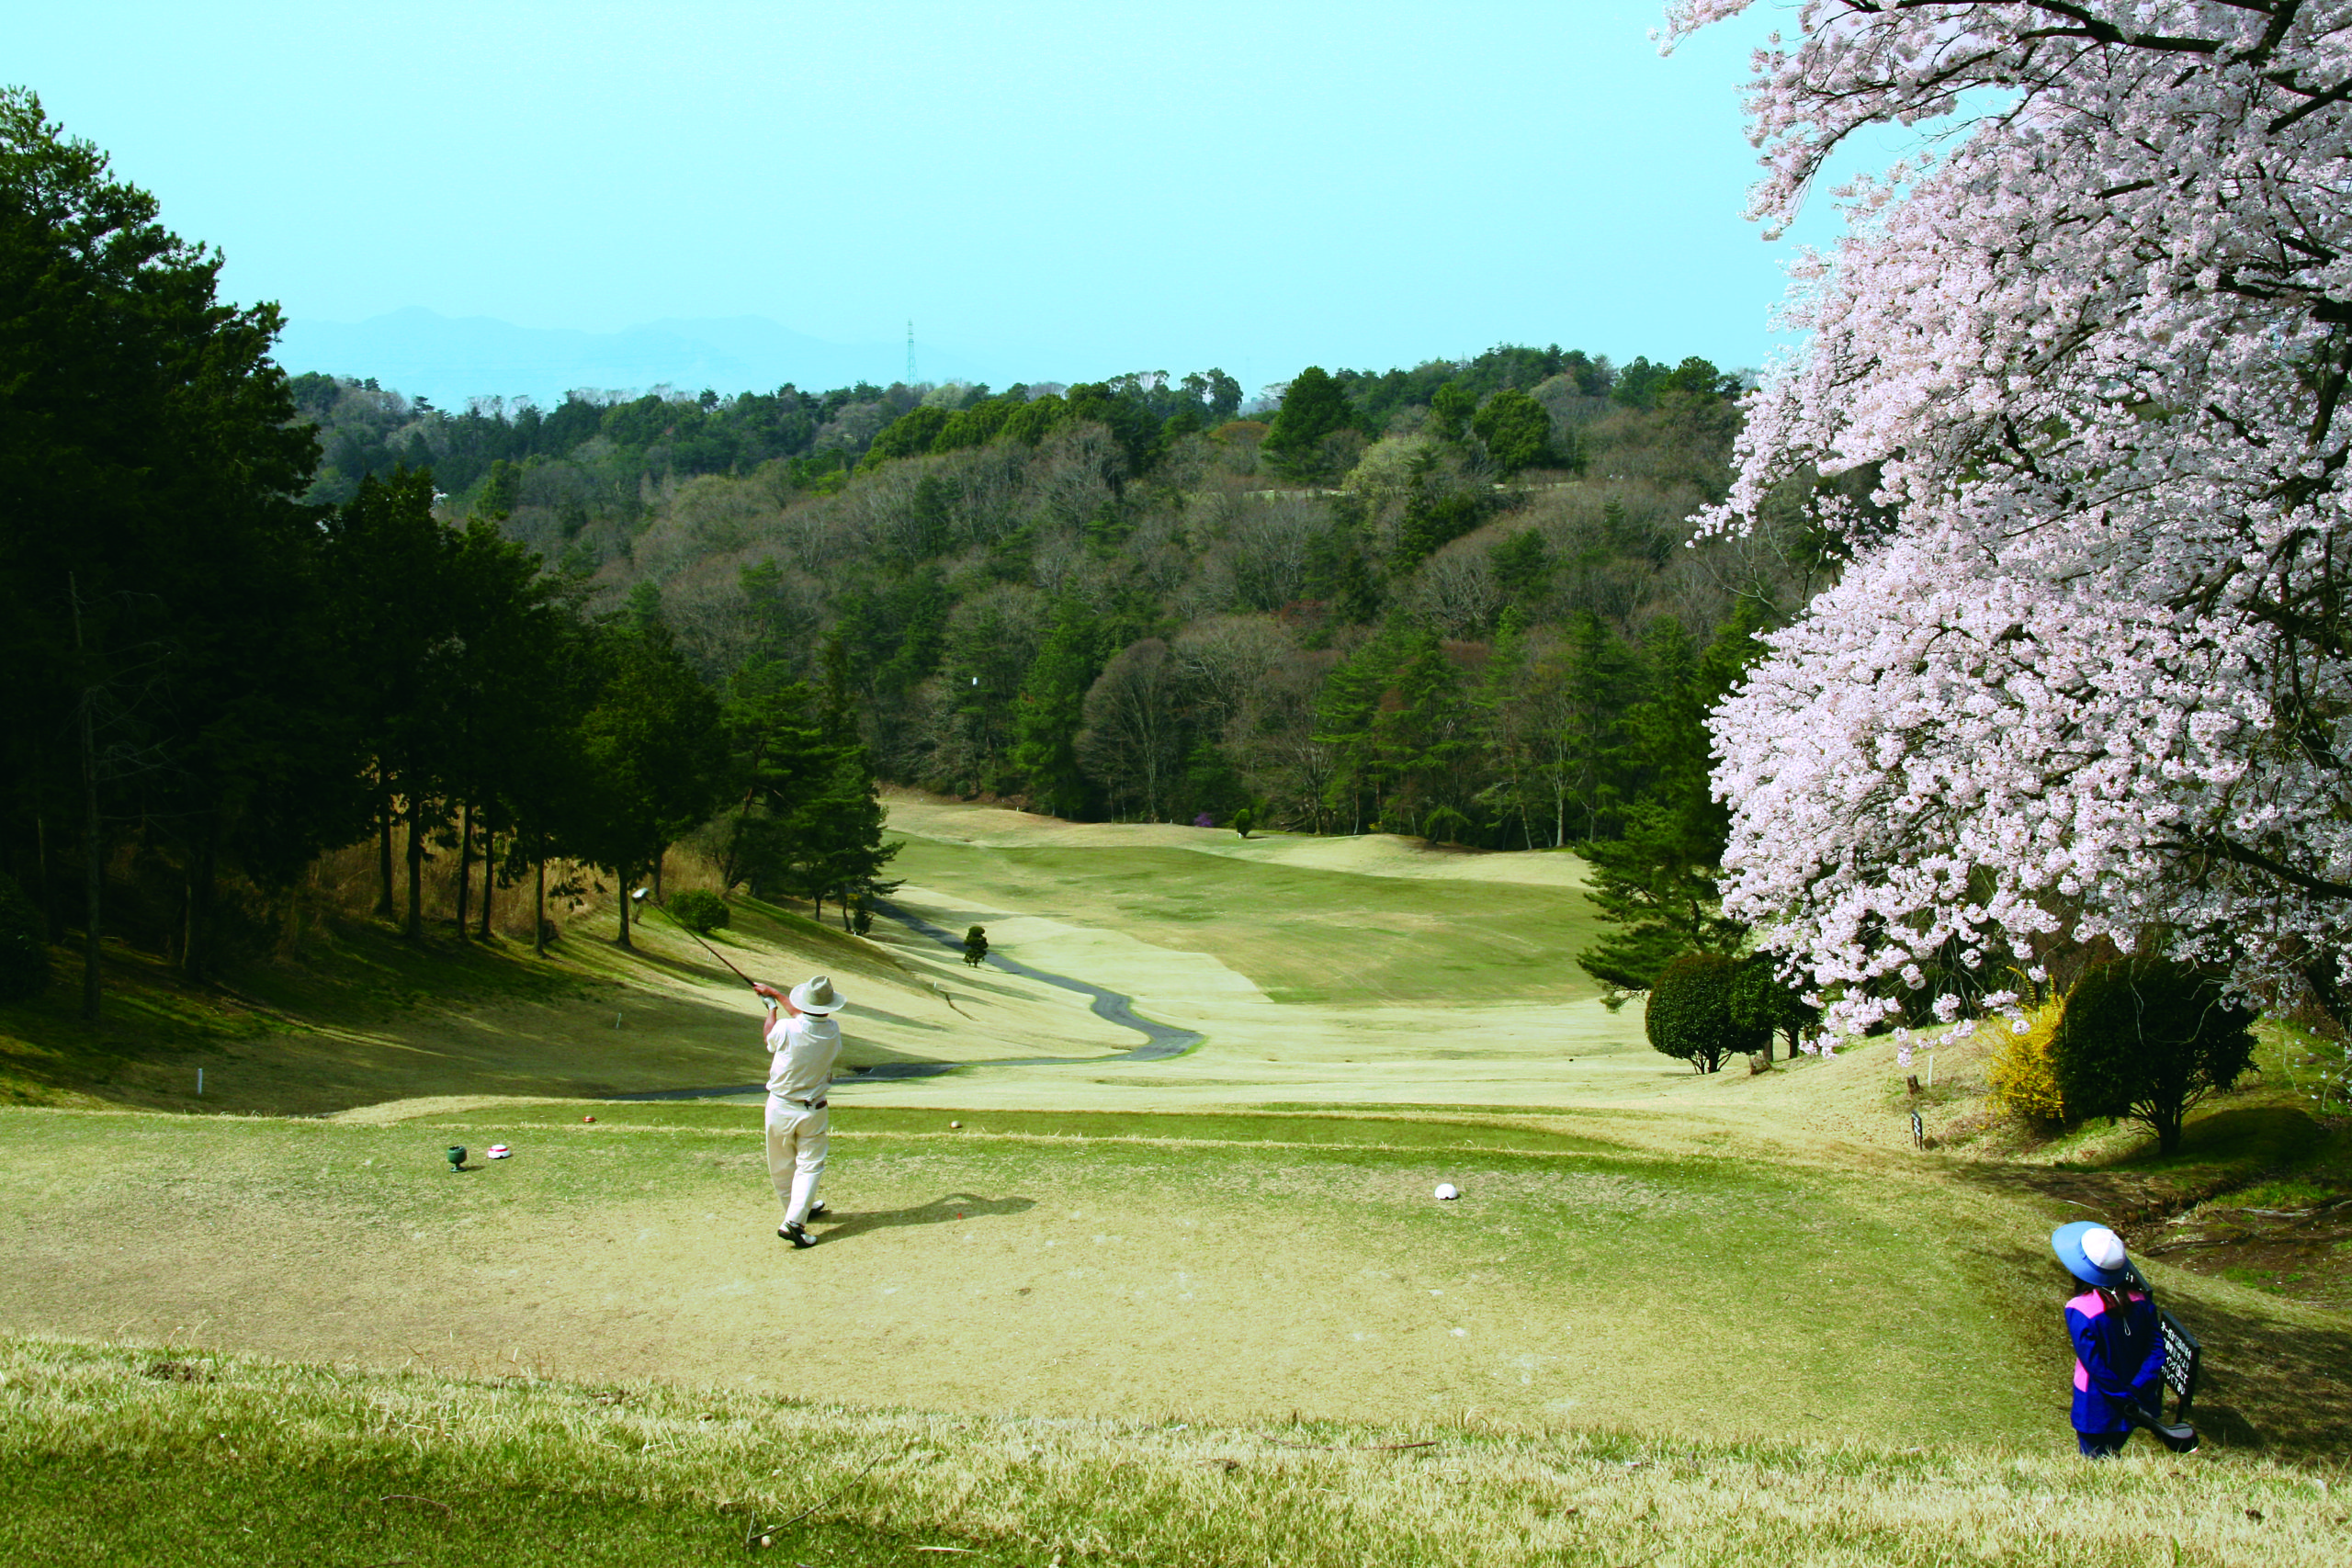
<point>2091,1252</point>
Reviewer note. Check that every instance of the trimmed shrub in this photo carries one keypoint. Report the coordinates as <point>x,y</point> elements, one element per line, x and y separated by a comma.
<point>24,945</point>
<point>2023,1076</point>
<point>975,945</point>
<point>2145,1038</point>
<point>697,910</point>
<point>1692,1014</point>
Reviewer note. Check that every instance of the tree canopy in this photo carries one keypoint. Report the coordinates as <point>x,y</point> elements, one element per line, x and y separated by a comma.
<point>2084,678</point>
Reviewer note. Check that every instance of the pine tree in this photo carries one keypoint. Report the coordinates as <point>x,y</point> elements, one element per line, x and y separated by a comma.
<point>1658,882</point>
<point>1314,406</point>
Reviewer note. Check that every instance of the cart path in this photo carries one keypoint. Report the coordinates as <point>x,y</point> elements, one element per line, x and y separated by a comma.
<point>1162,1041</point>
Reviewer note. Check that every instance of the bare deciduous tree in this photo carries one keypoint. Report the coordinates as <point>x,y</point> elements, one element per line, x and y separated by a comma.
<point>1132,744</point>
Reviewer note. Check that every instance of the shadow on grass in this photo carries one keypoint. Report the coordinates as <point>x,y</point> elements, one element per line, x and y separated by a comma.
<point>2218,1152</point>
<point>860,1009</point>
<point>840,1225</point>
<point>2268,1383</point>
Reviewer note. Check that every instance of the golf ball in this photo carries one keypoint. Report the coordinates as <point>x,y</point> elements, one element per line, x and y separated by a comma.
<point>955,1126</point>
<point>1447,1190</point>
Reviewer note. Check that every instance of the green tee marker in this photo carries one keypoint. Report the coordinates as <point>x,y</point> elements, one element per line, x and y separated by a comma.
<point>456,1157</point>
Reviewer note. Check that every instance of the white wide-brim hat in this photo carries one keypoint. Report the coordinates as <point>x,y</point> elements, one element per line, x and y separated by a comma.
<point>2091,1252</point>
<point>815,994</point>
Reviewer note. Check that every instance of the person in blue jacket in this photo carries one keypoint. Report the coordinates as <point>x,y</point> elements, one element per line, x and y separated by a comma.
<point>2119,1351</point>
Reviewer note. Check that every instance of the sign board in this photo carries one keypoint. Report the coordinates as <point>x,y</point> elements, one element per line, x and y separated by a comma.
<point>2181,1355</point>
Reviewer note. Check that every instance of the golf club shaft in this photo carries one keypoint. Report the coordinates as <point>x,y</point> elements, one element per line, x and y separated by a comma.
<point>705,946</point>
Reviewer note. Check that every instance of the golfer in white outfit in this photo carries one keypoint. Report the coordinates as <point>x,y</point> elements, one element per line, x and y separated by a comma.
<point>804,1041</point>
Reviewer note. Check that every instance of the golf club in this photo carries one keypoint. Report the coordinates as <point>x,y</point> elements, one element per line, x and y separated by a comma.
<point>2180,1437</point>
<point>638,897</point>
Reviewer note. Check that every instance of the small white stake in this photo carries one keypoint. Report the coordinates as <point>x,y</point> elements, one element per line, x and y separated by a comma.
<point>200,1083</point>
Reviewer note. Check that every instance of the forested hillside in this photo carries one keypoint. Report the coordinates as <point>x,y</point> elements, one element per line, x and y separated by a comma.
<point>258,622</point>
<point>1455,600</point>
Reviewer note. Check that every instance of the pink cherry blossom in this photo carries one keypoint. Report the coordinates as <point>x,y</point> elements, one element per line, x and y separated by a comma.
<point>2088,672</point>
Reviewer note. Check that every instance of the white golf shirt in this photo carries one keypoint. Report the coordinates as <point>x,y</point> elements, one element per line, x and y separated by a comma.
<point>805,1048</point>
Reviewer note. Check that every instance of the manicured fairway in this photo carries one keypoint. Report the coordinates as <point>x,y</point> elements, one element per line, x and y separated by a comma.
<point>1303,935</point>
<point>1230,1267</point>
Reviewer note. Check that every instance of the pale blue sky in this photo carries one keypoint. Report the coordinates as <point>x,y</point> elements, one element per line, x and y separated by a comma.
<point>1047,190</point>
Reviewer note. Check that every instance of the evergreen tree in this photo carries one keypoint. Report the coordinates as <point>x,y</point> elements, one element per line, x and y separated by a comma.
<point>1051,708</point>
<point>1693,1014</point>
<point>1517,431</point>
<point>2147,1038</point>
<point>1314,407</point>
<point>1346,720</point>
<point>165,639</point>
<point>656,754</point>
<point>838,851</point>
<point>778,754</point>
<point>1658,882</point>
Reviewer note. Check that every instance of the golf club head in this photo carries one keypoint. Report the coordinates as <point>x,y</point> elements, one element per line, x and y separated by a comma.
<point>2180,1437</point>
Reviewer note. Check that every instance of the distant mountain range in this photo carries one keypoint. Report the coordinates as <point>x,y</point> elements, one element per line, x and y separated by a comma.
<point>426,355</point>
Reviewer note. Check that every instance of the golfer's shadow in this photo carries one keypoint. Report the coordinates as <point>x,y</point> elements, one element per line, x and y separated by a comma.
<point>939,1211</point>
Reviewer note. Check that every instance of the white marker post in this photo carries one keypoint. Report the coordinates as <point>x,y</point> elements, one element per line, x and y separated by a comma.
<point>200,1083</point>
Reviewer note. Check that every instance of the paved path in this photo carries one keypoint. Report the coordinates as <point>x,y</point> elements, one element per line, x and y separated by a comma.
<point>1162,1041</point>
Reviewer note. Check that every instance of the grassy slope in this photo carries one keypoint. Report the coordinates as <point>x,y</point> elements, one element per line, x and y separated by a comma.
<point>140,1457</point>
<point>364,1017</point>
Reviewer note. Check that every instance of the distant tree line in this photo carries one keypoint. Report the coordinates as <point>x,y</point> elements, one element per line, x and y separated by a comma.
<point>1453,601</point>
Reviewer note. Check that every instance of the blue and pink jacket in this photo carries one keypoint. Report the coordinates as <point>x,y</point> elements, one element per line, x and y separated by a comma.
<point>2117,1355</point>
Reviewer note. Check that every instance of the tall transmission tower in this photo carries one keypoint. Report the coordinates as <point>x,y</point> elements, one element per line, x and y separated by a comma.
<point>911,352</point>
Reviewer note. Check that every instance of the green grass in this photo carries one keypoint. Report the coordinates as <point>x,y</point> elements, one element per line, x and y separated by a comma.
<point>134,1456</point>
<point>1303,935</point>
<point>363,1016</point>
<point>1710,1294</point>
<point>852,1121</point>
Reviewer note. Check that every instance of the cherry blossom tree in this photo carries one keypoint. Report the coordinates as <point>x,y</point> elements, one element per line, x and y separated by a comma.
<point>2088,670</point>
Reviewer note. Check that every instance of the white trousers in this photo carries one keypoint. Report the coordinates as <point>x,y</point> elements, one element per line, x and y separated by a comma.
<point>797,1145</point>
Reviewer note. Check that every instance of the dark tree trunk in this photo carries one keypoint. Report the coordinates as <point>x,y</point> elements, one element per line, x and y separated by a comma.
<point>94,862</point>
<point>196,951</point>
<point>624,903</point>
<point>659,856</point>
<point>540,921</point>
<point>488,880</point>
<point>415,929</point>
<point>384,859</point>
<point>465,865</point>
<point>94,854</point>
<point>48,886</point>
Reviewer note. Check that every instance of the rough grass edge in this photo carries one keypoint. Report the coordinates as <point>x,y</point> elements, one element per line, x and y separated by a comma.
<point>1035,1490</point>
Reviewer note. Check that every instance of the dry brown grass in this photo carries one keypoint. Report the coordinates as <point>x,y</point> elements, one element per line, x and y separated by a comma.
<point>344,884</point>
<point>171,1454</point>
